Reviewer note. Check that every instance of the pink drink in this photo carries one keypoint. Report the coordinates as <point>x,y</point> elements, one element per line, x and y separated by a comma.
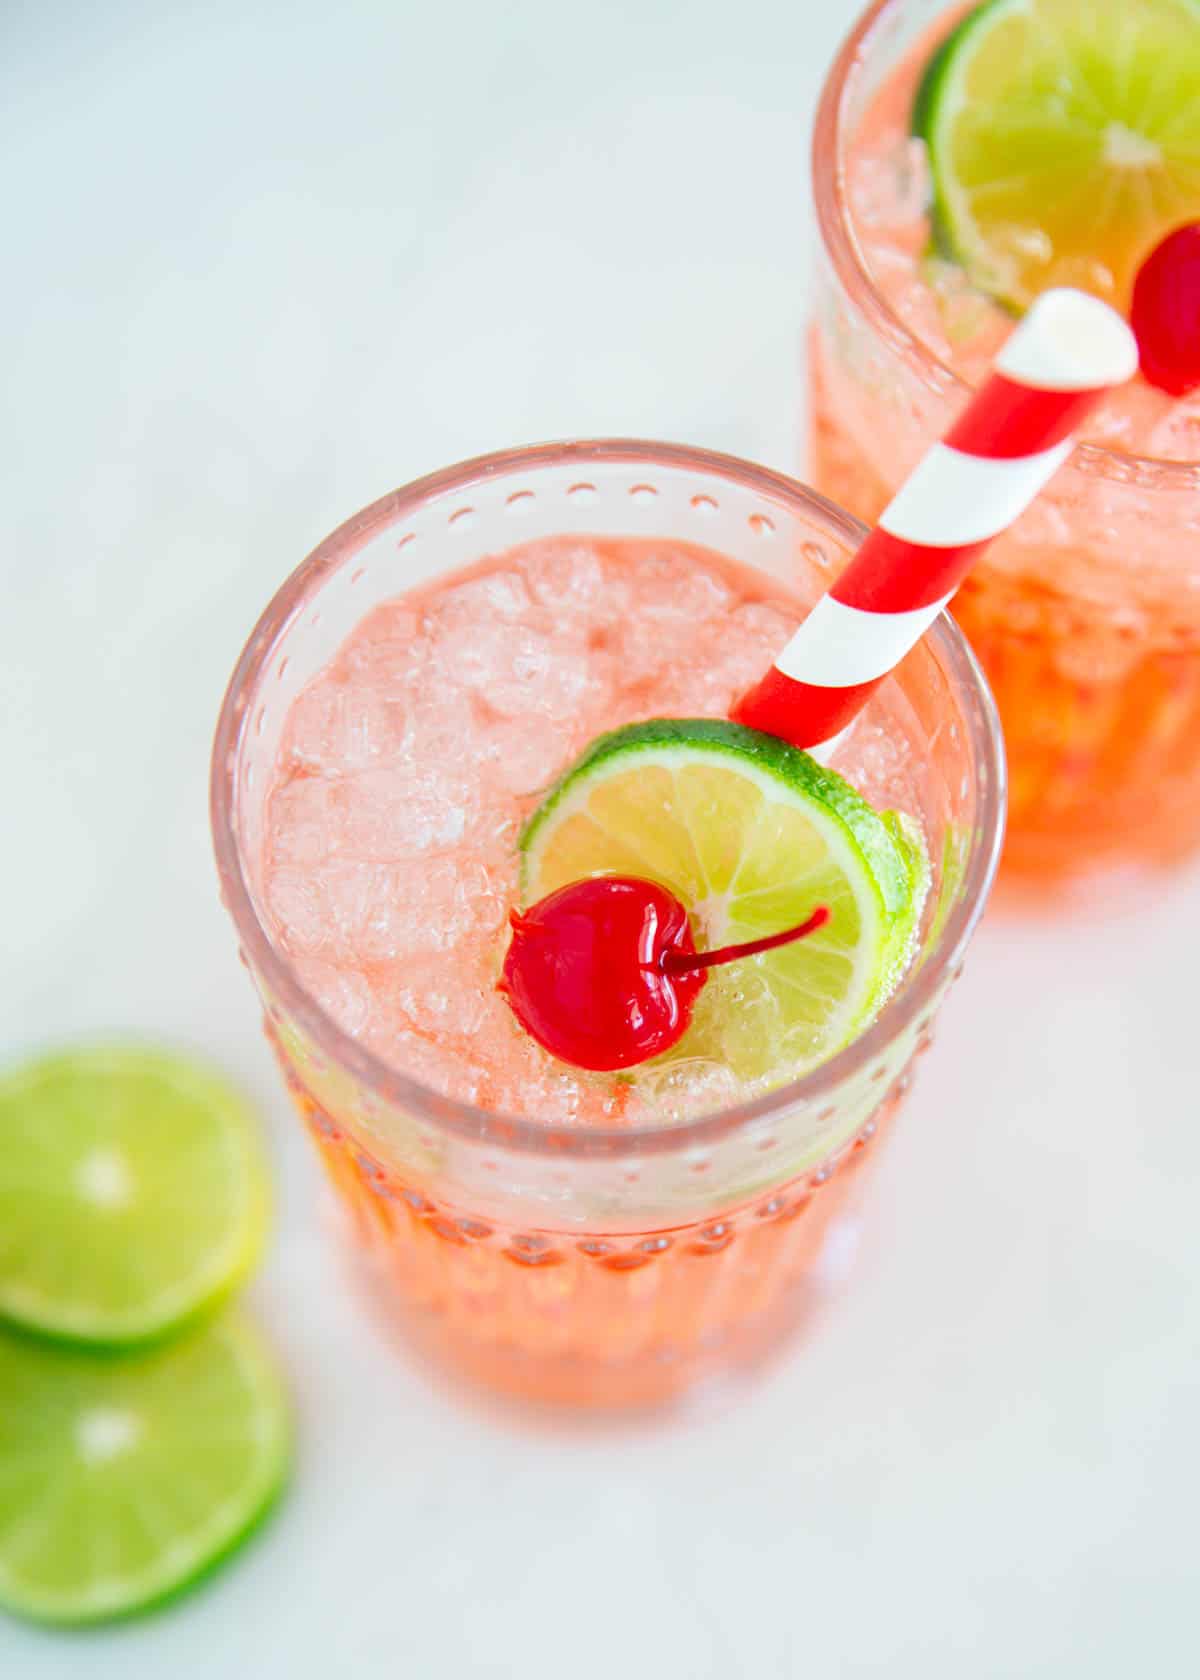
<point>410,763</point>
<point>585,1238</point>
<point>1085,614</point>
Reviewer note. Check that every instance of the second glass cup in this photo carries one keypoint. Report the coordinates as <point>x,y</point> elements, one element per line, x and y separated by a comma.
<point>612,1264</point>
<point>1086,614</point>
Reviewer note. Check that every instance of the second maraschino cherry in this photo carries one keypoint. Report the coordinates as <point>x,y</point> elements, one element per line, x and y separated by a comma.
<point>1166,312</point>
<point>604,972</point>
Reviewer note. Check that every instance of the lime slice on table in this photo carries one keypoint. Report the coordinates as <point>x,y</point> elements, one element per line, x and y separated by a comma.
<point>1063,140</point>
<point>132,1193</point>
<point>751,835</point>
<point>124,1479</point>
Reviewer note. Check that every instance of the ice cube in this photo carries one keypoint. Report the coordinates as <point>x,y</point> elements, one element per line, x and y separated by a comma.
<point>377,912</point>
<point>384,814</point>
<point>963,311</point>
<point>387,652</point>
<point>529,1082</point>
<point>367,916</point>
<point>453,898</point>
<point>519,672</point>
<point>295,902</point>
<point>517,757</point>
<point>446,996</point>
<point>722,659</point>
<point>764,624</point>
<point>348,910</point>
<point>878,761</point>
<point>570,579</point>
<point>301,820</point>
<point>444,1068</point>
<point>890,183</point>
<point>673,590</point>
<point>679,1090</point>
<point>343,993</point>
<point>333,727</point>
<point>497,597</point>
<point>439,718</point>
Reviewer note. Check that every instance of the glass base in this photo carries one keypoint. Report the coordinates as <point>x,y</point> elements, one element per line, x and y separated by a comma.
<point>589,1319</point>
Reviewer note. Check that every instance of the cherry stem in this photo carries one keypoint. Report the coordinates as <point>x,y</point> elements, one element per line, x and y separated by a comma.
<point>683,962</point>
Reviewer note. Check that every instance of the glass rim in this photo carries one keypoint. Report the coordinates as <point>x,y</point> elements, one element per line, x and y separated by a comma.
<point>835,226</point>
<point>514,1132</point>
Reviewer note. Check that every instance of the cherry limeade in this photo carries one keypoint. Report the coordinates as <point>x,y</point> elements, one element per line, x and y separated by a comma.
<point>1086,614</point>
<point>406,769</point>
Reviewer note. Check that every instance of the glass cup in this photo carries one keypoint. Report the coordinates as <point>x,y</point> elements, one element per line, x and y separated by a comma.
<point>609,1267</point>
<point>1086,614</point>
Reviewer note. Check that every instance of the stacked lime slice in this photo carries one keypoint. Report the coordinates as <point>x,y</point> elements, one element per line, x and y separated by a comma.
<point>750,834</point>
<point>1064,140</point>
<point>132,1196</point>
<point>138,1440</point>
<point>123,1480</point>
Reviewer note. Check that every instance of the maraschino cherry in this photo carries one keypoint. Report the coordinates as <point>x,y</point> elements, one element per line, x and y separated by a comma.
<point>604,973</point>
<point>1166,312</point>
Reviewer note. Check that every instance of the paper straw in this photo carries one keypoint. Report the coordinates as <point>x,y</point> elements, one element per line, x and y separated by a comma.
<point>1065,355</point>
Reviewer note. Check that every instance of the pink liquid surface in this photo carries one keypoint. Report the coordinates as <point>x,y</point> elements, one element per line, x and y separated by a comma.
<point>409,763</point>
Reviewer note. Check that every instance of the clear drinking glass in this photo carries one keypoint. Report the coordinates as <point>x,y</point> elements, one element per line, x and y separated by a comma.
<point>616,1266</point>
<point>1086,614</point>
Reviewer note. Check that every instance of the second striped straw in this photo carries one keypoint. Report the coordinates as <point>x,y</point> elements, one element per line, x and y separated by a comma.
<point>1063,357</point>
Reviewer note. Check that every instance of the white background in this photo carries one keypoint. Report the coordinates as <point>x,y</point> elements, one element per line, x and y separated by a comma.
<point>258,265</point>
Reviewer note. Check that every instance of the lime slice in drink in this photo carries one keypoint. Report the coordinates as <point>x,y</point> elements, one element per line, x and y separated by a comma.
<point>122,1479</point>
<point>905,925</point>
<point>1064,140</point>
<point>751,835</point>
<point>132,1193</point>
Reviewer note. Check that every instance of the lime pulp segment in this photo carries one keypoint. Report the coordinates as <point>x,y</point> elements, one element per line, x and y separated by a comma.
<point>750,834</point>
<point>132,1193</point>
<point>124,1479</point>
<point>1063,140</point>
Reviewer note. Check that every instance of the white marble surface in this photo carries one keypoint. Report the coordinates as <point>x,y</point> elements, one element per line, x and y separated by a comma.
<point>259,265</point>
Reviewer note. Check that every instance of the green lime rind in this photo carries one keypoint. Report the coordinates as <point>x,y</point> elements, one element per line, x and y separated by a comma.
<point>923,121</point>
<point>124,1482</point>
<point>133,1194</point>
<point>767,753</point>
<point>1063,139</point>
<point>750,834</point>
<point>910,843</point>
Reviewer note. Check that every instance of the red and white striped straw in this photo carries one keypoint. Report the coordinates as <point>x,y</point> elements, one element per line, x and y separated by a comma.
<point>1067,352</point>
